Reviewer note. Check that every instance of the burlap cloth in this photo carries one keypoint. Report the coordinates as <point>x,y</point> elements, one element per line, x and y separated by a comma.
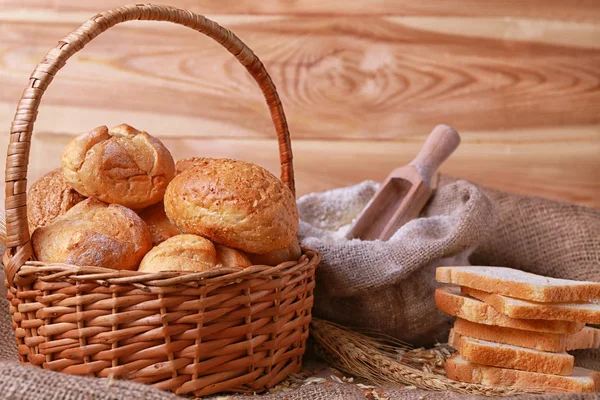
<point>388,286</point>
<point>384,287</point>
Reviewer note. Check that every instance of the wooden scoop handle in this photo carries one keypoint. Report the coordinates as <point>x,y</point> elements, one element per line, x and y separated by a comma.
<point>441,142</point>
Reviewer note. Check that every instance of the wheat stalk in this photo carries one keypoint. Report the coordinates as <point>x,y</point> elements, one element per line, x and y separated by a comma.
<point>380,363</point>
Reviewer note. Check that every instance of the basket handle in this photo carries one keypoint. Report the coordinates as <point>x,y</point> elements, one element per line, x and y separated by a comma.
<point>17,231</point>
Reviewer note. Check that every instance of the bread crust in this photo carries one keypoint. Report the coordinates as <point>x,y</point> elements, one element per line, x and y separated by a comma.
<point>121,166</point>
<point>234,203</point>
<point>542,341</point>
<point>451,301</point>
<point>182,253</point>
<point>463,371</point>
<point>231,258</point>
<point>519,284</point>
<point>49,198</point>
<point>274,258</point>
<point>158,223</point>
<point>93,233</point>
<point>515,308</point>
<point>186,163</point>
<point>507,356</point>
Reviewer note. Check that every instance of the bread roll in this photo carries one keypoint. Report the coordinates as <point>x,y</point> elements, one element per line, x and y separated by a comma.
<point>189,253</point>
<point>158,223</point>
<point>49,198</point>
<point>228,257</point>
<point>121,166</point>
<point>186,163</point>
<point>234,203</point>
<point>94,233</point>
<point>291,253</point>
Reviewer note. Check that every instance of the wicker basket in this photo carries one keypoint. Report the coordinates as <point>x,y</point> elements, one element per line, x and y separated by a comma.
<point>223,330</point>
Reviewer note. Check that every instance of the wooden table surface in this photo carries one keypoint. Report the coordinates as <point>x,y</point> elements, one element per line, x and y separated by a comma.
<point>362,83</point>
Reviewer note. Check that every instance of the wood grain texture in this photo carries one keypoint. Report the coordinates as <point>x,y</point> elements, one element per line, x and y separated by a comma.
<point>534,166</point>
<point>577,10</point>
<point>362,84</point>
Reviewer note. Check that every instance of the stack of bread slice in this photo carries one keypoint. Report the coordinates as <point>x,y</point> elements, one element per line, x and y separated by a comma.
<point>514,328</point>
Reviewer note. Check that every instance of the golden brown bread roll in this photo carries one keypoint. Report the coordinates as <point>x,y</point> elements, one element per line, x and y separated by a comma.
<point>189,253</point>
<point>121,166</point>
<point>158,223</point>
<point>186,163</point>
<point>94,233</point>
<point>291,253</point>
<point>234,203</point>
<point>228,257</point>
<point>49,198</point>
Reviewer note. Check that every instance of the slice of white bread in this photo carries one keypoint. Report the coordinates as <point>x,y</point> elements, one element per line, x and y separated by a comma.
<point>582,380</point>
<point>450,300</point>
<point>452,341</point>
<point>508,356</point>
<point>519,284</point>
<point>542,341</point>
<point>588,312</point>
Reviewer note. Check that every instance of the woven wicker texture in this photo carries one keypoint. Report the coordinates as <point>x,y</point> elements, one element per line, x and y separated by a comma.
<point>201,333</point>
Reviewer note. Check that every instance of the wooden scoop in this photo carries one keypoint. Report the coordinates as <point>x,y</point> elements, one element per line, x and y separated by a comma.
<point>406,190</point>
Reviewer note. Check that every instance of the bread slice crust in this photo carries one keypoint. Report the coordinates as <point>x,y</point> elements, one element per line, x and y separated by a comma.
<point>519,284</point>
<point>451,301</point>
<point>542,341</point>
<point>587,312</point>
<point>508,356</point>
<point>582,381</point>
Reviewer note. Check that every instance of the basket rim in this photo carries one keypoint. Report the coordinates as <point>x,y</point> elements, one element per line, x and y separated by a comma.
<point>58,272</point>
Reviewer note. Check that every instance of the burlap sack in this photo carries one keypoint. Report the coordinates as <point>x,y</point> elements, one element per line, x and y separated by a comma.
<point>388,286</point>
<point>534,234</point>
<point>542,236</point>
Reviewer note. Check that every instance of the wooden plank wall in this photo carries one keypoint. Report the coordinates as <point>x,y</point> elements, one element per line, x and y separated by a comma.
<point>362,83</point>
